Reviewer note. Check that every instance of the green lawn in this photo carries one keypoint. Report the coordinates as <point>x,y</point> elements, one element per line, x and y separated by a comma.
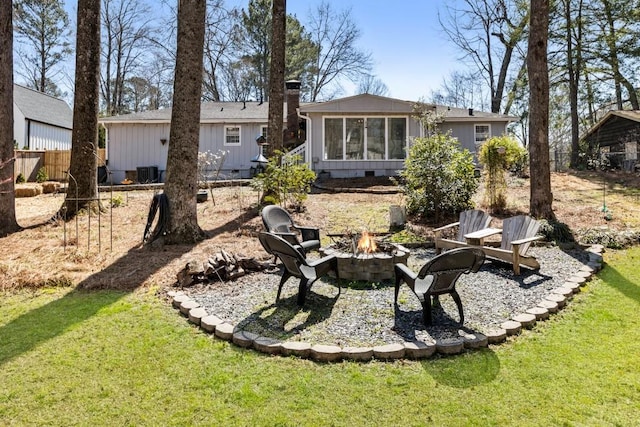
<point>108,358</point>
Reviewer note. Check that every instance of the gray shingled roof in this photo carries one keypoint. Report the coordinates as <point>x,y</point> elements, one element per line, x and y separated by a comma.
<point>210,112</point>
<point>40,107</point>
<point>255,112</point>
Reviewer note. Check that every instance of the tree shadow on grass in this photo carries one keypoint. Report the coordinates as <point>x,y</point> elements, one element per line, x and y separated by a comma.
<point>623,284</point>
<point>123,276</point>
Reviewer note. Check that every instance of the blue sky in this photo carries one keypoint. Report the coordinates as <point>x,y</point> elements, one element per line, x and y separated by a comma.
<point>410,52</point>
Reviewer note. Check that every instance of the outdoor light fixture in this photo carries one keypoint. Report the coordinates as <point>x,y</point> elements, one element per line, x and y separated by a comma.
<point>163,141</point>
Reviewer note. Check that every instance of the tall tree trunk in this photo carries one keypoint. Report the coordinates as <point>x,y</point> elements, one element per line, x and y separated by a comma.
<point>574,64</point>
<point>83,187</point>
<point>276,76</point>
<point>541,197</point>
<point>8,223</point>
<point>181,185</point>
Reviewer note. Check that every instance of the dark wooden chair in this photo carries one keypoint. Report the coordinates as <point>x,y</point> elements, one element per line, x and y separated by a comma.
<point>296,264</point>
<point>276,220</point>
<point>469,221</point>
<point>439,276</point>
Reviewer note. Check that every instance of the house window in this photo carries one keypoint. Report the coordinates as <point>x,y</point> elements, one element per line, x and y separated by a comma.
<point>482,133</point>
<point>333,139</point>
<point>231,135</point>
<point>365,138</point>
<point>397,135</point>
<point>355,139</point>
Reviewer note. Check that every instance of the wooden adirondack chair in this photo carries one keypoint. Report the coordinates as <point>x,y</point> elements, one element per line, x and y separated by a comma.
<point>517,234</point>
<point>470,221</point>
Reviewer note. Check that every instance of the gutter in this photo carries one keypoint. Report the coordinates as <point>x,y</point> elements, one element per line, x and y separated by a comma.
<point>307,152</point>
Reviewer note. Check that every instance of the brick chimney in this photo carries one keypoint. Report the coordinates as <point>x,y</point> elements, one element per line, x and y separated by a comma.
<point>293,103</point>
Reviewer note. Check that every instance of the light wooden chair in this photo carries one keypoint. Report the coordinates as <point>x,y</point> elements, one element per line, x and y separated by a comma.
<point>470,221</point>
<point>518,233</point>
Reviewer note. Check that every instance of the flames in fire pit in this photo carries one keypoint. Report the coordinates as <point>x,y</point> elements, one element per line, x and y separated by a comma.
<point>367,243</point>
<point>364,258</point>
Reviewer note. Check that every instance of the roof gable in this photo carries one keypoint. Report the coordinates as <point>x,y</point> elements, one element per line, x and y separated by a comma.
<point>40,107</point>
<point>363,103</point>
<point>633,115</point>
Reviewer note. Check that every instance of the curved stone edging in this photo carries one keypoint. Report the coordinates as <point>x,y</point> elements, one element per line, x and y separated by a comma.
<point>553,302</point>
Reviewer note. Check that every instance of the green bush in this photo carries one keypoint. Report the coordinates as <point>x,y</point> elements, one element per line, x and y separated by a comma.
<point>438,177</point>
<point>286,181</point>
<point>117,201</point>
<point>498,155</point>
<point>20,179</point>
<point>556,231</point>
<point>42,176</point>
<point>609,238</point>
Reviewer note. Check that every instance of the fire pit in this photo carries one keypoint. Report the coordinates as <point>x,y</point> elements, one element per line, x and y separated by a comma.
<point>360,257</point>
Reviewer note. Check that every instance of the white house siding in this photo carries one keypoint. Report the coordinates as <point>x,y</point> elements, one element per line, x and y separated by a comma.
<point>133,145</point>
<point>237,162</point>
<point>47,137</point>
<point>19,129</point>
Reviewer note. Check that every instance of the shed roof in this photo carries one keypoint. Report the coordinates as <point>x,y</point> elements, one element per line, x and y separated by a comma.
<point>632,115</point>
<point>43,108</point>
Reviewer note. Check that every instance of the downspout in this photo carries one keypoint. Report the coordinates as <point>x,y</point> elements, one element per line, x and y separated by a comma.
<point>307,152</point>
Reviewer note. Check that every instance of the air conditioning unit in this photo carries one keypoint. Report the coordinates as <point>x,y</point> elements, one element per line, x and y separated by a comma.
<point>147,174</point>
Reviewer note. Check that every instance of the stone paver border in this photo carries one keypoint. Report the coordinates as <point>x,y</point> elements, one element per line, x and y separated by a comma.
<point>553,302</point>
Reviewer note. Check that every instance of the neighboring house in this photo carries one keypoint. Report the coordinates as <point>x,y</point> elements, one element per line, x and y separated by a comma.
<point>348,137</point>
<point>617,136</point>
<point>40,121</point>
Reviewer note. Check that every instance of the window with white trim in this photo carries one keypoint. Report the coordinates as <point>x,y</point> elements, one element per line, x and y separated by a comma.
<point>365,138</point>
<point>482,133</point>
<point>232,135</point>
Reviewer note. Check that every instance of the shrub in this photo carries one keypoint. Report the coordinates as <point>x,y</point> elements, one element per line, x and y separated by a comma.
<point>556,231</point>
<point>609,238</point>
<point>438,177</point>
<point>117,201</point>
<point>499,154</point>
<point>42,176</point>
<point>20,179</point>
<point>286,180</point>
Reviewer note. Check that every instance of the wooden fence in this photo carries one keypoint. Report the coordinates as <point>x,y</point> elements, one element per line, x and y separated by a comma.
<point>54,162</point>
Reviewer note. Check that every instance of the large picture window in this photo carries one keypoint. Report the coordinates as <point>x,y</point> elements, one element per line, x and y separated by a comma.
<point>365,138</point>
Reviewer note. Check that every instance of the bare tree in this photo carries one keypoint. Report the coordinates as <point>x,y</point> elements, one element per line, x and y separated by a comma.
<point>221,37</point>
<point>337,58</point>
<point>8,223</point>
<point>181,186</point>
<point>42,29</point>
<point>460,89</point>
<point>489,32</point>
<point>372,85</point>
<point>276,75</point>
<point>125,28</point>
<point>541,197</point>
